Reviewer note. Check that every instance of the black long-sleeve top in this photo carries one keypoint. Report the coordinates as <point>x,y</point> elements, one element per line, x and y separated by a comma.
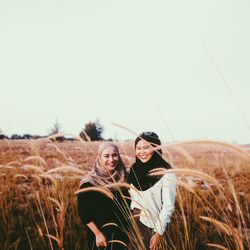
<point>97,207</point>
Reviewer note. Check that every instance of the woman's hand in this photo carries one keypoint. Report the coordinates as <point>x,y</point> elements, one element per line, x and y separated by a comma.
<point>154,241</point>
<point>100,239</point>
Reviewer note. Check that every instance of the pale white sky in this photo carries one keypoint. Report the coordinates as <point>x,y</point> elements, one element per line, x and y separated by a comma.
<point>147,65</point>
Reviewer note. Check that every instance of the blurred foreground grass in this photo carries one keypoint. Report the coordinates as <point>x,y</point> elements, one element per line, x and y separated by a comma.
<point>38,180</point>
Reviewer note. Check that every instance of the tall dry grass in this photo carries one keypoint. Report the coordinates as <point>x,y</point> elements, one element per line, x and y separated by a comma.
<point>38,181</point>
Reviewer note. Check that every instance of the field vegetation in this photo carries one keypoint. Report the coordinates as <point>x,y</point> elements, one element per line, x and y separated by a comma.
<point>39,178</point>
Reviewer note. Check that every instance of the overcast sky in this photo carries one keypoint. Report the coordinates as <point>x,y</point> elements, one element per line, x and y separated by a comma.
<point>180,68</point>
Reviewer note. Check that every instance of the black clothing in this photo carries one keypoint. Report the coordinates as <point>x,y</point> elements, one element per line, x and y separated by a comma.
<point>139,172</point>
<point>97,207</point>
<point>150,137</point>
<point>146,234</point>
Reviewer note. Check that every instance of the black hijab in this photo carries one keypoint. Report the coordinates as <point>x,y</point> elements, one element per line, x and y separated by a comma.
<point>139,172</point>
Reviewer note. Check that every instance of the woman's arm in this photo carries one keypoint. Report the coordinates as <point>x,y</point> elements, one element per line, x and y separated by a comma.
<point>167,207</point>
<point>99,236</point>
<point>167,202</point>
<point>88,212</point>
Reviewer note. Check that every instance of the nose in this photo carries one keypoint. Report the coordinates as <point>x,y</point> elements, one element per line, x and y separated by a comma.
<point>111,159</point>
<point>142,151</point>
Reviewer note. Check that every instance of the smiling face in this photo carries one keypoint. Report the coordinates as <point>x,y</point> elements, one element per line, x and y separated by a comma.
<point>143,151</point>
<point>109,158</point>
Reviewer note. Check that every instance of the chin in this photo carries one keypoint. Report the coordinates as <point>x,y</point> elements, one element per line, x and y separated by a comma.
<point>111,169</point>
<point>144,160</point>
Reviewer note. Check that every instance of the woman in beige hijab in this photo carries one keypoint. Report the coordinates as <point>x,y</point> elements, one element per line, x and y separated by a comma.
<point>105,216</point>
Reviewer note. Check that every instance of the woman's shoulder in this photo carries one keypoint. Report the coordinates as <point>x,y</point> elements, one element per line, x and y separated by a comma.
<point>86,185</point>
<point>170,173</point>
<point>169,176</point>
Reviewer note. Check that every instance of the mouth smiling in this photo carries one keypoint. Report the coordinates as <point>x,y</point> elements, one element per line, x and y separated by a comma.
<point>111,165</point>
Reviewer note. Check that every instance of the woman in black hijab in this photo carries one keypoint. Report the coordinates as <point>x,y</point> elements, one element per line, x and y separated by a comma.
<point>153,203</point>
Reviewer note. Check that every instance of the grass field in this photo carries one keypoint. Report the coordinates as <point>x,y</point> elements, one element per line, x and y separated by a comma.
<point>39,178</point>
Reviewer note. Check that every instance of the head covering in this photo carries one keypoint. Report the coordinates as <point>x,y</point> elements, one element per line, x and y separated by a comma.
<point>139,172</point>
<point>99,176</point>
<point>150,137</point>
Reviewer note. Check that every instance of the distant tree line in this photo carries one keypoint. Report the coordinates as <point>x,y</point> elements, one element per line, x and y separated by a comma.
<point>92,131</point>
<point>20,137</point>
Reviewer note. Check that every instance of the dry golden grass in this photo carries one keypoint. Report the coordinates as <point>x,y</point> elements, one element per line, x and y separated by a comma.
<point>39,180</point>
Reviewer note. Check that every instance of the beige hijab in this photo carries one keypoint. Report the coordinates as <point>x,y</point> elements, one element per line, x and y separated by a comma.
<point>99,176</point>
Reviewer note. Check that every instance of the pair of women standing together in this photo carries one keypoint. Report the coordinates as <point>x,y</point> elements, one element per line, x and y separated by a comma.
<point>151,197</point>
